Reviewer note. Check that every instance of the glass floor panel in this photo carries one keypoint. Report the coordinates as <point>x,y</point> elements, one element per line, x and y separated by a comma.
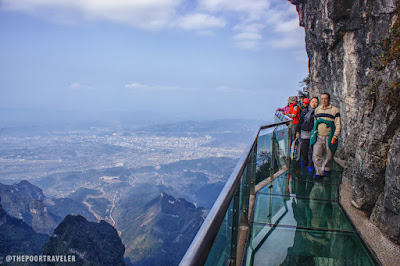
<point>304,213</point>
<point>287,185</point>
<point>298,221</point>
<point>302,174</point>
<point>335,167</point>
<point>291,246</point>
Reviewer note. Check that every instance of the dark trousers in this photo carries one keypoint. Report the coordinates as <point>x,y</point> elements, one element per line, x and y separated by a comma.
<point>306,152</point>
<point>293,128</point>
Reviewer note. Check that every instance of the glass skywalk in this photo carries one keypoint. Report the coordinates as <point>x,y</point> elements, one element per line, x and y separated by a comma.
<point>272,212</point>
<point>298,221</point>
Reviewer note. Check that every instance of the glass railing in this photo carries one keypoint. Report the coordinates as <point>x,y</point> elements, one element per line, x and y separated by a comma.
<point>222,238</point>
<point>272,146</point>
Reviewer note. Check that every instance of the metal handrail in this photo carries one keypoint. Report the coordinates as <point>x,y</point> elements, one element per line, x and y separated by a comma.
<point>202,243</point>
<point>282,116</point>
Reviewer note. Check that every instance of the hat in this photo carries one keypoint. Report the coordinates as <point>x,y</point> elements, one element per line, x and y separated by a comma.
<point>292,99</point>
<point>306,100</point>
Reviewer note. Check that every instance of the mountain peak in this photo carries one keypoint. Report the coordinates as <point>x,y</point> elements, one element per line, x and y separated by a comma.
<point>24,200</point>
<point>92,243</point>
<point>29,190</point>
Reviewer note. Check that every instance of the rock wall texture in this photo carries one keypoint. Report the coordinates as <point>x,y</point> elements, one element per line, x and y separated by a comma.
<point>353,48</point>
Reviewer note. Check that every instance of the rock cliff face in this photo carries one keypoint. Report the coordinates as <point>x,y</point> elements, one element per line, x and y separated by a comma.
<point>27,202</point>
<point>157,230</point>
<point>17,237</point>
<point>24,201</point>
<point>353,48</point>
<point>91,243</point>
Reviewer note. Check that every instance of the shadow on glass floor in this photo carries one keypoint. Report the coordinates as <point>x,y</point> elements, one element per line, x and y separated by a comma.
<point>288,184</point>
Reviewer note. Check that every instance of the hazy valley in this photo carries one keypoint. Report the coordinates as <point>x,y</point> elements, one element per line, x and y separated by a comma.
<point>154,184</point>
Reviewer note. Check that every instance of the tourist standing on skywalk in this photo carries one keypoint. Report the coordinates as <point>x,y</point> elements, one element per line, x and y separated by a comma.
<point>306,124</point>
<point>294,113</point>
<point>324,136</point>
<point>292,110</point>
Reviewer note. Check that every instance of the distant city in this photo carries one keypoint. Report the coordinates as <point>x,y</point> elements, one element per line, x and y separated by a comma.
<point>36,156</point>
<point>45,153</point>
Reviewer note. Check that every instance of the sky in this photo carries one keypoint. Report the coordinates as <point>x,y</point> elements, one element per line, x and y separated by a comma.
<point>176,59</point>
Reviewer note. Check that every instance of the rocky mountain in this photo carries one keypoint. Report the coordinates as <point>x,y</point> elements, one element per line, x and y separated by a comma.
<point>27,190</point>
<point>28,203</point>
<point>159,231</point>
<point>25,201</point>
<point>17,237</point>
<point>91,243</point>
<point>353,51</point>
<point>188,179</point>
<point>155,227</point>
<point>199,181</point>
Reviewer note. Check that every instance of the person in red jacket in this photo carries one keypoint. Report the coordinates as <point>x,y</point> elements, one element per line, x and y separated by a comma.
<point>294,113</point>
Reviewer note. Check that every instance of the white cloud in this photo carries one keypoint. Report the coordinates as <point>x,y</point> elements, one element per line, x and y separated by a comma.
<point>247,17</point>
<point>258,20</point>
<point>146,14</point>
<point>136,86</point>
<point>248,36</point>
<point>287,32</point>
<point>78,86</point>
<point>251,21</point>
<point>200,21</point>
<point>249,27</point>
<point>254,8</point>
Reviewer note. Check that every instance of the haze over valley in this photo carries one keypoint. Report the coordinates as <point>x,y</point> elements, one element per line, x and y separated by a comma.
<point>143,180</point>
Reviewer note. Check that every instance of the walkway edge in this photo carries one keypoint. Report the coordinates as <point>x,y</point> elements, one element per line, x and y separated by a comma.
<point>387,252</point>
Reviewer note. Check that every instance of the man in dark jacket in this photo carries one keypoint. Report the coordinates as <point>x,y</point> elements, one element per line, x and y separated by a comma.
<point>306,124</point>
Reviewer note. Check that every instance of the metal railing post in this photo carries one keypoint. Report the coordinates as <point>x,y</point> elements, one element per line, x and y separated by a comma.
<point>235,226</point>
<point>288,162</point>
<point>252,174</point>
<point>272,169</point>
<point>272,172</point>
<point>248,185</point>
